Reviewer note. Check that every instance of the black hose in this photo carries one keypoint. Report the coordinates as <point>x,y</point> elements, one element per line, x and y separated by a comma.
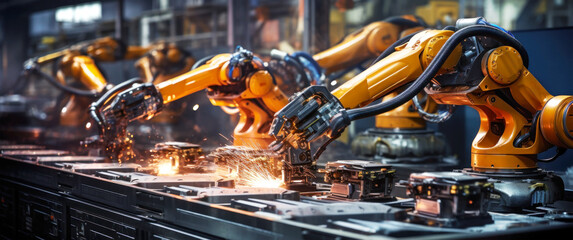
<point>400,21</point>
<point>399,42</point>
<point>392,48</point>
<point>528,135</point>
<point>429,73</point>
<point>63,87</point>
<point>450,27</point>
<point>558,152</point>
<point>302,77</point>
<point>202,61</point>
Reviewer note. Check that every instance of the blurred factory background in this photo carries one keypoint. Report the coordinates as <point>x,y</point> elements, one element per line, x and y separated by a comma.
<point>33,28</point>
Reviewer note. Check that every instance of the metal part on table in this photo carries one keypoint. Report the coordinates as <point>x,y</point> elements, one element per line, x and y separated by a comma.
<point>450,199</point>
<point>318,211</point>
<point>517,190</point>
<point>180,153</point>
<point>159,182</point>
<point>20,147</point>
<point>193,179</point>
<point>92,168</point>
<point>56,202</point>
<point>53,160</point>
<point>226,195</point>
<point>400,146</point>
<point>362,180</point>
<point>394,228</point>
<point>34,153</point>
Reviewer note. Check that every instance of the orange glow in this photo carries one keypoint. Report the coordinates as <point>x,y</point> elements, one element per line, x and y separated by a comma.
<point>164,167</point>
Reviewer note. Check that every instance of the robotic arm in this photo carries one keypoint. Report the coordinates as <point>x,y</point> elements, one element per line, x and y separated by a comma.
<point>78,62</point>
<point>382,78</point>
<point>367,42</point>
<point>237,80</point>
<point>461,67</point>
<point>164,61</point>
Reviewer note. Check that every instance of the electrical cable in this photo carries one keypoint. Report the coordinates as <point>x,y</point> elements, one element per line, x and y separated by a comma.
<point>448,47</point>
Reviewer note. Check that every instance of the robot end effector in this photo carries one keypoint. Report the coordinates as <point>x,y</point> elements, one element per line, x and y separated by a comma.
<point>140,100</point>
<point>310,114</point>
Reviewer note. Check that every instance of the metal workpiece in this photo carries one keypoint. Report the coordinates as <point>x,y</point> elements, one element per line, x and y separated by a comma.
<point>450,198</point>
<point>319,212</point>
<point>179,157</point>
<point>77,198</point>
<point>360,180</point>
<point>514,191</point>
<point>407,146</point>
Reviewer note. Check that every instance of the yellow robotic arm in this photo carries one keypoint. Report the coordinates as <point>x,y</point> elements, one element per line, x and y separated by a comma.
<point>406,122</point>
<point>367,43</point>
<point>78,61</point>
<point>83,69</point>
<point>463,68</point>
<point>164,61</point>
<point>237,80</point>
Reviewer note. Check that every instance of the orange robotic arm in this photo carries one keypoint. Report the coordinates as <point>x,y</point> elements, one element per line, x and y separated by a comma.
<point>162,62</point>
<point>499,87</point>
<point>367,43</point>
<point>251,89</point>
<point>78,61</point>
<point>237,80</point>
<point>83,69</point>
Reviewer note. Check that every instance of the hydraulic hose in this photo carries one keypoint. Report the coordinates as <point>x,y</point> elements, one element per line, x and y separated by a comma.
<point>423,80</point>
<point>301,79</point>
<point>202,61</point>
<point>63,87</point>
<point>309,63</point>
<point>400,21</point>
<point>392,48</point>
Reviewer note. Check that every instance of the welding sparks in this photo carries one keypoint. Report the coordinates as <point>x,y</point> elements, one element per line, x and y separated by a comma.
<point>257,176</point>
<point>251,167</point>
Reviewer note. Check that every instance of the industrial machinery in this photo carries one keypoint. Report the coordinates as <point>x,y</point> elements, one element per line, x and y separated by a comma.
<point>78,74</point>
<point>56,193</point>
<point>359,180</point>
<point>476,64</point>
<point>238,80</point>
<point>177,158</point>
<point>450,199</point>
<point>400,135</point>
<point>163,61</point>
